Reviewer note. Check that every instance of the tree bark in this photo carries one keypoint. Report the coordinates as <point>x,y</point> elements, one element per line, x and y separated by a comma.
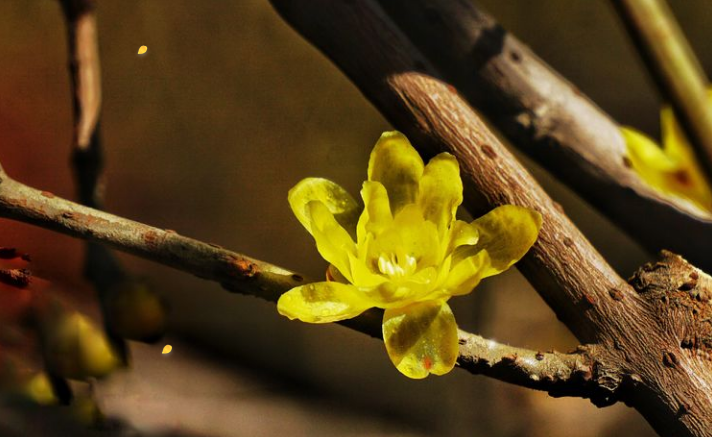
<point>642,361</point>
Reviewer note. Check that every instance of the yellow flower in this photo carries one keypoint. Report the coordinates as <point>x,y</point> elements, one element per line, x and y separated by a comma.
<point>671,169</point>
<point>403,251</point>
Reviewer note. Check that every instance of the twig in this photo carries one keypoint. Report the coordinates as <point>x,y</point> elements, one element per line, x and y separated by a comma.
<point>677,72</point>
<point>84,70</point>
<point>550,120</point>
<point>240,273</point>
<point>554,372</point>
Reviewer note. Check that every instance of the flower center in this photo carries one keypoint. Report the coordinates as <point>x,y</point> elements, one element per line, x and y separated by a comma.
<point>397,266</point>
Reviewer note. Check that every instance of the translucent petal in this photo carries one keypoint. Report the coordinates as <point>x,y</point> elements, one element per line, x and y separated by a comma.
<point>400,292</point>
<point>396,164</point>
<point>337,200</point>
<point>421,338</point>
<point>466,274</point>
<point>672,169</point>
<point>332,241</point>
<point>409,237</point>
<point>688,180</point>
<point>39,389</point>
<point>376,214</point>
<point>461,234</point>
<point>506,233</point>
<point>323,302</point>
<point>440,191</point>
<point>362,276</point>
<point>77,349</point>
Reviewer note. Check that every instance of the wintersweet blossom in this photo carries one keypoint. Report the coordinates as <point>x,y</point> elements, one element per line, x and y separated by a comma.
<point>671,169</point>
<point>403,251</point>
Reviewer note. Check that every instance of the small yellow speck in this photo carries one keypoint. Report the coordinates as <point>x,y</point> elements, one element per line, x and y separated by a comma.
<point>167,349</point>
<point>142,50</point>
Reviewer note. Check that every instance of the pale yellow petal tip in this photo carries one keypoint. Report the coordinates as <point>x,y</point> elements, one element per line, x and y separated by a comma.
<point>142,50</point>
<point>167,349</point>
<point>393,134</point>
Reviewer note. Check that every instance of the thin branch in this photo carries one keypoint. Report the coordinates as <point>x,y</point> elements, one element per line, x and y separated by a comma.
<point>556,373</point>
<point>84,70</point>
<point>677,72</point>
<point>550,120</point>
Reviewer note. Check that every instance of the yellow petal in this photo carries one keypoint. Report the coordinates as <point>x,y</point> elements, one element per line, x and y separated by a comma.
<point>332,241</point>
<point>97,355</point>
<point>440,191</point>
<point>465,275</point>
<point>645,154</point>
<point>397,165</point>
<point>462,234</point>
<point>506,233</point>
<point>337,200</point>
<point>409,242</point>
<point>323,302</point>
<point>672,169</point>
<point>376,214</point>
<point>648,160</point>
<point>75,348</point>
<point>687,180</point>
<point>404,291</point>
<point>362,276</point>
<point>39,389</point>
<point>421,338</point>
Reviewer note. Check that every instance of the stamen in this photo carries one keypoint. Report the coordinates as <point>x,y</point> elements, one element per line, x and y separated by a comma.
<point>395,266</point>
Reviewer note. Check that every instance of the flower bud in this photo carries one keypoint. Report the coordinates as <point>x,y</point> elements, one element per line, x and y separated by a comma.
<point>74,348</point>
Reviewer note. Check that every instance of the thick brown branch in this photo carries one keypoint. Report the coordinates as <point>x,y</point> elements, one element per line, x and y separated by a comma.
<point>556,373</point>
<point>550,120</point>
<point>674,67</point>
<point>582,289</point>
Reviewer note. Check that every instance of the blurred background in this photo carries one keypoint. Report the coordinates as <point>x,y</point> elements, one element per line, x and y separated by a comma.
<point>205,134</point>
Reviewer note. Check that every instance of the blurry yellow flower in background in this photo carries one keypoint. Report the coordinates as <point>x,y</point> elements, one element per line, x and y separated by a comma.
<point>671,169</point>
<point>403,251</point>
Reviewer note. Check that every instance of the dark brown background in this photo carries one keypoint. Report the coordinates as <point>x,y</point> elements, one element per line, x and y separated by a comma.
<point>207,132</point>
